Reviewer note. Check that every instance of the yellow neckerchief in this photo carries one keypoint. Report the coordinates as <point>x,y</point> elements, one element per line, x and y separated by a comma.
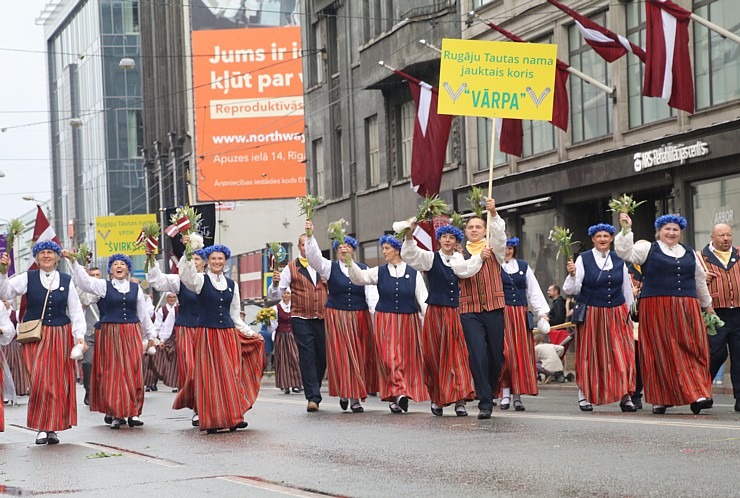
<point>723,256</point>
<point>303,262</point>
<point>475,248</point>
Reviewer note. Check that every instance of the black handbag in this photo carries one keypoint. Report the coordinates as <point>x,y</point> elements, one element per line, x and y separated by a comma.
<point>579,313</point>
<point>530,320</point>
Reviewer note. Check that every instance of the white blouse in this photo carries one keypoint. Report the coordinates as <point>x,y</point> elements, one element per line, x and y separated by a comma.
<point>163,282</point>
<point>7,329</point>
<point>422,260</point>
<point>358,276</point>
<point>165,326</point>
<point>572,285</point>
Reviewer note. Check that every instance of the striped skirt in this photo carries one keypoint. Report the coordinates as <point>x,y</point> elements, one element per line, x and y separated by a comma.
<point>252,351</point>
<point>446,365</point>
<point>400,364</point>
<point>185,367</point>
<point>605,355</point>
<point>219,393</point>
<point>520,364</point>
<point>347,353</point>
<point>2,406</point>
<point>674,351</point>
<point>148,369</point>
<point>165,361</point>
<point>117,382</point>
<point>287,368</point>
<point>52,401</point>
<point>14,357</point>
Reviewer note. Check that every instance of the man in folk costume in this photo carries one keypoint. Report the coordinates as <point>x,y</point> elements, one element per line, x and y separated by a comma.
<point>308,295</point>
<point>482,306</point>
<point>7,333</point>
<point>92,318</point>
<point>165,359</point>
<point>723,279</point>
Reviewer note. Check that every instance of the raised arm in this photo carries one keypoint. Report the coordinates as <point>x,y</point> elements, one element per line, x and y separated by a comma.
<point>189,275</point>
<point>416,257</point>
<point>358,276</point>
<point>315,259</point>
<point>574,280</point>
<point>496,232</point>
<point>163,282</point>
<point>86,283</point>
<point>278,288</point>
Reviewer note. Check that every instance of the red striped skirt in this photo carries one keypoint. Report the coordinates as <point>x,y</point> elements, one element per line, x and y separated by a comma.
<point>252,351</point>
<point>117,381</point>
<point>219,393</point>
<point>148,369</point>
<point>605,355</point>
<point>165,361</point>
<point>18,370</point>
<point>446,364</point>
<point>52,402</point>
<point>287,367</point>
<point>400,364</point>
<point>347,333</point>
<point>520,363</point>
<point>674,351</point>
<point>185,367</point>
<point>2,407</point>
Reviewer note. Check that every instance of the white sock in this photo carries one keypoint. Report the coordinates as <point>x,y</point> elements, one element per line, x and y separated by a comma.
<point>506,392</point>
<point>582,398</point>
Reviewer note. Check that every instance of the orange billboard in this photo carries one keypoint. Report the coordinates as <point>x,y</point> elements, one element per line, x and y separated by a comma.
<point>248,88</point>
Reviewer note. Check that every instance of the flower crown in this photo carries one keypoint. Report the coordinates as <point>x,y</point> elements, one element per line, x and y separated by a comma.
<point>350,241</point>
<point>201,253</point>
<point>601,227</point>
<point>217,248</point>
<point>119,257</point>
<point>391,241</point>
<point>512,242</point>
<point>47,245</point>
<point>451,230</point>
<point>670,218</point>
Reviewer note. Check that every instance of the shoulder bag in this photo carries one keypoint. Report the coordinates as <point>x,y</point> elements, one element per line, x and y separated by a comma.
<point>30,331</point>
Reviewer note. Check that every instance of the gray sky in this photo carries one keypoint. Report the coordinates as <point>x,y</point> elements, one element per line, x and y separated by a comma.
<point>24,152</point>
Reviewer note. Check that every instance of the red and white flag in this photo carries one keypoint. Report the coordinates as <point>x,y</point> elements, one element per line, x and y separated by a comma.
<point>431,133</point>
<point>182,224</point>
<point>668,73</point>
<point>425,233</point>
<point>606,43</point>
<point>42,230</point>
<point>510,136</point>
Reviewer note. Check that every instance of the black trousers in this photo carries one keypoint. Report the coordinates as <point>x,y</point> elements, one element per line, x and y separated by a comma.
<point>484,336</point>
<point>728,337</point>
<point>311,340</point>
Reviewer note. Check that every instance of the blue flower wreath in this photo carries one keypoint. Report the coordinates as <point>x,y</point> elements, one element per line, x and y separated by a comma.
<point>670,218</point>
<point>391,241</point>
<point>350,241</point>
<point>450,229</point>
<point>217,248</point>
<point>47,245</point>
<point>512,242</point>
<point>201,253</point>
<point>601,227</point>
<point>119,257</point>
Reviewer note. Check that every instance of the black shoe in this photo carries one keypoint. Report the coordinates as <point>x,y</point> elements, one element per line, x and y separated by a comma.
<point>460,411</point>
<point>507,405</point>
<point>588,407</point>
<point>286,391</point>
<point>154,387</point>
<point>658,410</point>
<point>175,390</point>
<point>343,403</point>
<point>627,407</point>
<point>297,390</point>
<point>637,402</point>
<point>518,405</point>
<point>737,405</point>
<point>698,406</point>
<point>211,431</point>
<point>147,389</point>
<point>117,423</point>
<point>403,403</point>
<point>437,410</point>
<point>42,437</point>
<point>394,407</point>
<point>242,425</point>
<point>86,400</point>
<point>52,438</point>
<point>484,414</point>
<point>357,407</point>
<point>108,419</point>
<point>134,422</point>
<point>195,420</point>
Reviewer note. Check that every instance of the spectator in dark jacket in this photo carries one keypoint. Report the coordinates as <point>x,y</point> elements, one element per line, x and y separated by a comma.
<point>557,308</point>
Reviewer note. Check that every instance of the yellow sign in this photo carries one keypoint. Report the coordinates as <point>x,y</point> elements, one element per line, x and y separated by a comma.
<point>118,234</point>
<point>497,79</point>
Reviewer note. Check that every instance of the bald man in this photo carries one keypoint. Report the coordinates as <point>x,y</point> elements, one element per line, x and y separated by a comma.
<point>723,279</point>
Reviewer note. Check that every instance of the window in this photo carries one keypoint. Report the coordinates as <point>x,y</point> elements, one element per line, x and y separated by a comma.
<point>337,165</point>
<point>479,3</point>
<point>371,253</point>
<point>377,17</point>
<point>716,60</point>
<point>130,17</point>
<point>316,41</point>
<point>372,146</point>
<point>642,110</point>
<point>539,136</point>
<point>484,150</point>
<point>408,116</point>
<point>317,147</point>
<point>591,108</point>
<point>537,250</point>
<point>714,201</point>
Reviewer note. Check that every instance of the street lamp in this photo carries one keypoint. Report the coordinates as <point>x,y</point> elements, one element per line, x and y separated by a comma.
<point>29,198</point>
<point>2,174</point>
<point>127,63</point>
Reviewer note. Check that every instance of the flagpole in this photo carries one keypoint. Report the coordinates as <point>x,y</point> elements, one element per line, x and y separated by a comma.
<point>429,45</point>
<point>490,174</point>
<point>718,29</point>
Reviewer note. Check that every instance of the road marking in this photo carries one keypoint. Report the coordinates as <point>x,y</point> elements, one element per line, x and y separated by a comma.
<point>133,454</point>
<point>256,482</point>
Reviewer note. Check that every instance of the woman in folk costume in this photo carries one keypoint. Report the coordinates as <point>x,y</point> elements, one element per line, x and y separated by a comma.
<point>165,359</point>
<point>674,349</point>
<point>185,326</point>
<point>7,333</point>
<point>350,347</point>
<point>521,289</point>
<point>222,394</point>
<point>605,350</point>
<point>14,358</point>
<point>287,367</point>
<point>52,403</point>
<point>445,354</point>
<point>402,298</point>
<point>117,383</point>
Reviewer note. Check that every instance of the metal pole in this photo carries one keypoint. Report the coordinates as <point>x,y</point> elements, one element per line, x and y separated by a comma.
<point>718,29</point>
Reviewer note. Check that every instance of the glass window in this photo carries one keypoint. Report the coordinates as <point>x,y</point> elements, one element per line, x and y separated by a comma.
<point>316,46</point>
<point>539,136</point>
<point>337,165</point>
<point>371,255</point>
<point>130,17</point>
<point>538,251</point>
<point>478,3</point>
<point>372,141</point>
<point>483,127</point>
<point>716,60</point>
<point>408,116</point>
<point>317,147</point>
<point>591,108</point>
<point>714,201</point>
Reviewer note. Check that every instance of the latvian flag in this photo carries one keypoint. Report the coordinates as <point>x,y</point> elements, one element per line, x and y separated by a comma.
<point>668,71</point>
<point>181,225</point>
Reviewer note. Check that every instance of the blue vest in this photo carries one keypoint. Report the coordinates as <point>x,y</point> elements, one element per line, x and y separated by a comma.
<point>55,313</point>
<point>664,275</point>
<point>515,285</point>
<point>119,307</point>
<point>443,284</point>
<point>187,315</point>
<point>215,305</point>
<point>343,294</point>
<point>397,295</point>
<point>101,311</point>
<point>603,291</point>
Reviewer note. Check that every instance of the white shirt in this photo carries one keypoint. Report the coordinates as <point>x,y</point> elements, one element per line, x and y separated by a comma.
<point>10,288</point>
<point>358,276</point>
<point>7,329</point>
<point>162,282</point>
<point>194,281</point>
<point>323,268</point>
<point>637,252</point>
<point>422,260</point>
<point>497,237</point>
<point>572,285</point>
<point>276,292</point>
<point>535,298</point>
<point>164,326</point>
<point>99,287</point>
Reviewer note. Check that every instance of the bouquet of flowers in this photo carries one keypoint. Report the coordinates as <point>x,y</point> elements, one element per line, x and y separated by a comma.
<point>431,208</point>
<point>337,230</point>
<point>624,204</point>
<point>185,220</point>
<point>82,254</point>
<point>456,220</point>
<point>477,201</point>
<point>276,251</point>
<point>712,322</point>
<point>307,205</point>
<point>15,227</point>
<point>265,316</point>
<point>149,237</point>
<point>563,238</point>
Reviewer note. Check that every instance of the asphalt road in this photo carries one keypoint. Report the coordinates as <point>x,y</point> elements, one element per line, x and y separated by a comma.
<point>552,449</point>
